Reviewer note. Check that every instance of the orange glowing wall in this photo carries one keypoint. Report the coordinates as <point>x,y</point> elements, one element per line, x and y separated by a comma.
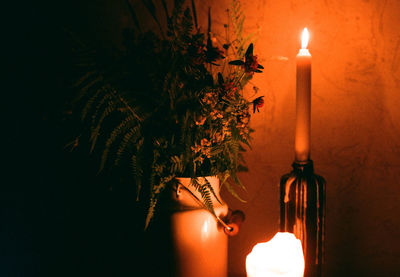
<point>355,141</point>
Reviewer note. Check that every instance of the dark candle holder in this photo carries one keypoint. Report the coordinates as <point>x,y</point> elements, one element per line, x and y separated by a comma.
<point>303,213</point>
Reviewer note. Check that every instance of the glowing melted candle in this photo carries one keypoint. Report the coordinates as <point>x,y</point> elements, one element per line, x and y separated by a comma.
<point>281,256</point>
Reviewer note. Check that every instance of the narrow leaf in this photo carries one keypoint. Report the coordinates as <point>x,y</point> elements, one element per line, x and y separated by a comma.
<point>233,192</point>
<point>236,62</point>
<point>249,50</point>
<point>194,14</point>
<point>133,15</point>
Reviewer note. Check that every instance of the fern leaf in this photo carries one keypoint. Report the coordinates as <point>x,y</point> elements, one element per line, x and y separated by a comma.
<point>233,192</point>
<point>237,17</point>
<point>187,24</point>
<point>89,104</point>
<point>217,149</point>
<point>83,91</point>
<point>134,132</point>
<point>205,194</point>
<point>83,78</point>
<point>137,174</point>
<point>125,105</point>
<point>156,190</point>
<point>93,138</point>
<point>103,159</point>
<point>176,164</point>
<point>99,104</point>
<point>115,133</point>
<point>223,177</point>
<point>207,183</point>
<point>247,40</point>
<point>238,182</point>
<point>110,108</point>
<point>150,212</point>
<point>96,131</point>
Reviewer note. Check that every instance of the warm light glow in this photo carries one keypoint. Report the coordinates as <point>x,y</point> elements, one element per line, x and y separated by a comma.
<point>206,230</point>
<point>305,38</point>
<point>281,256</point>
<point>205,227</point>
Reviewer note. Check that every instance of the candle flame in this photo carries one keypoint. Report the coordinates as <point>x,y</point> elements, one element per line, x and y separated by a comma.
<point>304,38</point>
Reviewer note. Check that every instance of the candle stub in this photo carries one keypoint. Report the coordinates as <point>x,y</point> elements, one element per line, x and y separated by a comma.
<point>282,256</point>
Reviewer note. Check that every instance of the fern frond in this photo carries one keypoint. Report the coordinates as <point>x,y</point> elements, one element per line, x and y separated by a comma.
<point>216,149</point>
<point>115,133</point>
<point>150,211</point>
<point>155,191</point>
<point>184,129</point>
<point>230,188</point>
<point>205,194</point>
<point>155,195</point>
<point>174,27</point>
<point>176,164</point>
<point>237,17</point>
<point>137,175</point>
<point>247,40</point>
<point>237,181</point>
<point>110,108</point>
<point>96,131</point>
<point>113,136</point>
<point>90,102</point>
<point>125,105</point>
<point>223,177</point>
<point>207,183</point>
<point>97,110</point>
<point>84,78</point>
<point>133,133</point>
<point>97,82</point>
<point>187,25</point>
<point>234,146</point>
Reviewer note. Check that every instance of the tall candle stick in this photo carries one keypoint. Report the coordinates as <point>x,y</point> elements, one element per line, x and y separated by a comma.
<point>303,101</point>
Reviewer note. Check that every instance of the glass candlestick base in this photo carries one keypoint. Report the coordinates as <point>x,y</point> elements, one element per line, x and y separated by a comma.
<point>302,207</point>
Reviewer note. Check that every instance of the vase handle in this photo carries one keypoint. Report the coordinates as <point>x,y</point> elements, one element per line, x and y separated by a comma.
<point>234,219</point>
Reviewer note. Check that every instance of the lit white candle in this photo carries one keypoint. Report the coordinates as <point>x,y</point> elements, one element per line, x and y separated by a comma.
<point>303,101</point>
<point>282,256</point>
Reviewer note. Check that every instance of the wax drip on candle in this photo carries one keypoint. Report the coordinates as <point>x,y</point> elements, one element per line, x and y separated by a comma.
<point>300,196</point>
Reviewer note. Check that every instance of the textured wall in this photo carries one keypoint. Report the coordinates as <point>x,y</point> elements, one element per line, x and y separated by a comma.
<point>355,120</point>
<point>355,127</point>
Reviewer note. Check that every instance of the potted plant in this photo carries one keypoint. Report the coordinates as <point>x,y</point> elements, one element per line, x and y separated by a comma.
<point>172,107</point>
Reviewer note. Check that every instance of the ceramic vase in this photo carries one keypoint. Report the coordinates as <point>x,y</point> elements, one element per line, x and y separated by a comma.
<point>200,244</point>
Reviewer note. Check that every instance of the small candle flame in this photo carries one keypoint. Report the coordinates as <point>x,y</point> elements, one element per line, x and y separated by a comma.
<point>304,38</point>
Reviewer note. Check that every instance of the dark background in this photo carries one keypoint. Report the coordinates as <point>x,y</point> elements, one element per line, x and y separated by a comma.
<point>59,217</point>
